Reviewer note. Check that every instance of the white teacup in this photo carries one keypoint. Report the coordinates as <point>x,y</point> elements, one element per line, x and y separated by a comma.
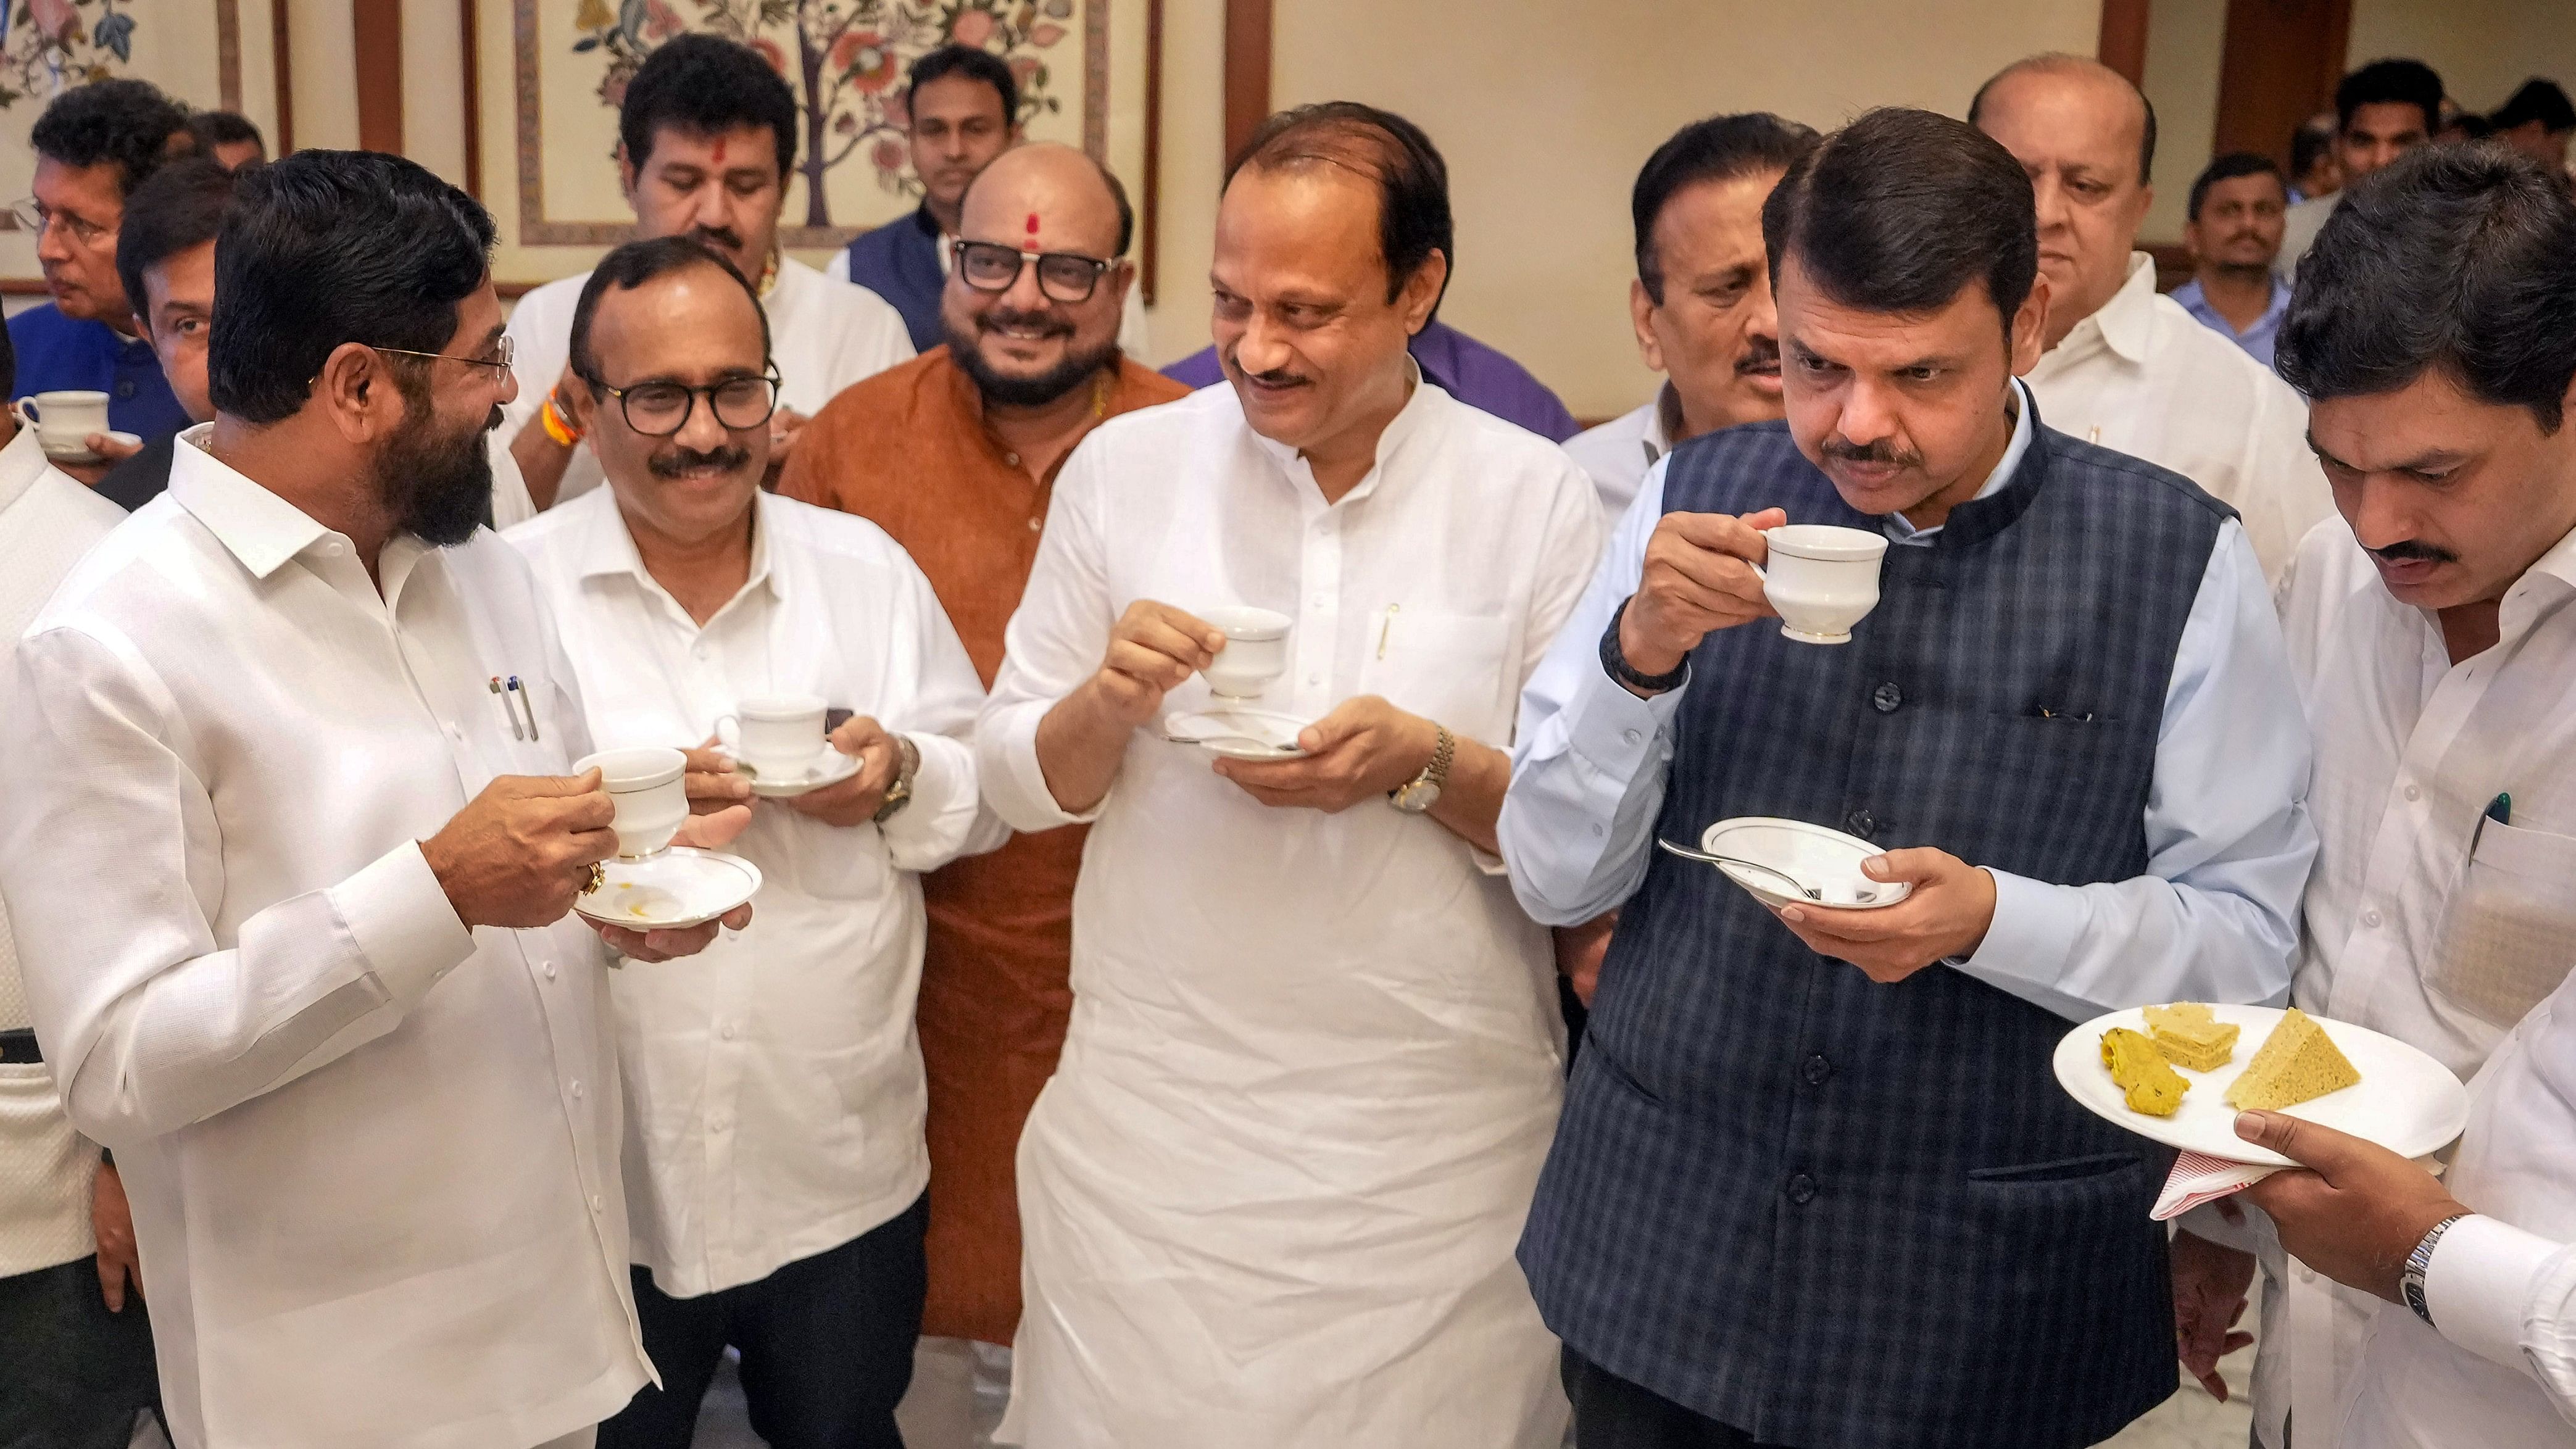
<point>1255,652</point>
<point>63,420</point>
<point>778,735</point>
<point>1822,579</point>
<point>646,785</point>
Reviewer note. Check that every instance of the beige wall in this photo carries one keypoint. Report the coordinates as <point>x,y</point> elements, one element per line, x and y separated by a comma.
<point>2184,41</point>
<point>2483,48</point>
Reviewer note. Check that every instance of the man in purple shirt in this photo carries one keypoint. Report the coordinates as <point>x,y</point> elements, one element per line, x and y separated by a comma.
<point>93,146</point>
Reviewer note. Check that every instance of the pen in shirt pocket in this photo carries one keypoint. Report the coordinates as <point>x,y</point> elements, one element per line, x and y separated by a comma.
<point>507,713</point>
<point>527,706</point>
<point>2499,810</point>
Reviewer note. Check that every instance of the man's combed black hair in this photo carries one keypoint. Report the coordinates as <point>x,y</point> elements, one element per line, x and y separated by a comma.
<point>1720,148</point>
<point>224,128</point>
<point>1412,180</point>
<point>2456,258</point>
<point>631,266</point>
<point>180,206</point>
<point>1901,211</point>
<point>332,247</point>
<point>2537,100</point>
<point>127,124</point>
<point>2391,83</point>
<point>706,85</point>
<point>2229,167</point>
<point>971,63</point>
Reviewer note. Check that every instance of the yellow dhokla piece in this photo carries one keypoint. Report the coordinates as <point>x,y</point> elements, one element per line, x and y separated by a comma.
<point>2190,1036</point>
<point>2297,1063</point>
<point>2150,1082</point>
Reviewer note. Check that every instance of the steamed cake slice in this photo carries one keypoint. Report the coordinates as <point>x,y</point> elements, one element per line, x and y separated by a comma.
<point>2190,1036</point>
<point>2151,1084</point>
<point>2297,1063</point>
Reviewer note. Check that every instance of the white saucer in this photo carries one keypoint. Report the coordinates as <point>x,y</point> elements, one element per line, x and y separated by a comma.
<point>834,768</point>
<point>2405,1101</point>
<point>82,454</point>
<point>1237,733</point>
<point>679,888</point>
<point>1826,859</point>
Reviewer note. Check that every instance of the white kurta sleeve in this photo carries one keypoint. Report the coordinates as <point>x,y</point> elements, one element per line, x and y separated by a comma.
<point>1056,640</point>
<point>111,857</point>
<point>2509,1297</point>
<point>942,693</point>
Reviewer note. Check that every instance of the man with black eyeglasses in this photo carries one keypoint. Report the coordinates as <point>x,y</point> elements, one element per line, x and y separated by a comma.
<point>774,1163</point>
<point>955,453</point>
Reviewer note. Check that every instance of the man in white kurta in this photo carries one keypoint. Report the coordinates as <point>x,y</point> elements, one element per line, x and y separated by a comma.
<point>2126,367</point>
<point>2439,674</point>
<point>774,1156</point>
<point>710,134</point>
<point>1271,1195</point>
<point>290,882</point>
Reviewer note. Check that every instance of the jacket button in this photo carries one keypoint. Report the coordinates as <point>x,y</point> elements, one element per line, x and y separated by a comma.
<point>1860,823</point>
<point>1802,1189</point>
<point>1816,1070</point>
<point>1886,698</point>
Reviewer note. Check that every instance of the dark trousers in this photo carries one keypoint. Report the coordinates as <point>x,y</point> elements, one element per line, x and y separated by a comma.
<point>826,1346</point>
<point>72,1374</point>
<point>1612,1413</point>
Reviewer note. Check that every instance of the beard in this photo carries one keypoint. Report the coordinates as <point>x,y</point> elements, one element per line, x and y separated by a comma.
<point>1029,391</point>
<point>437,484</point>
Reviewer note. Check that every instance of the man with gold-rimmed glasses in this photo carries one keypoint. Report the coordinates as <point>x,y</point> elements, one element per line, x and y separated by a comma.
<point>774,1159</point>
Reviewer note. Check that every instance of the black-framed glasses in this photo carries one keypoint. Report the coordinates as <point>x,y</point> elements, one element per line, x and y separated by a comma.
<point>35,216</point>
<point>659,409</point>
<point>1062,276</point>
<point>504,352</point>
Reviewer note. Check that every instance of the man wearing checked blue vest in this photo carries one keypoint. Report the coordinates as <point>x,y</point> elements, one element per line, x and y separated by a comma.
<point>1814,1184</point>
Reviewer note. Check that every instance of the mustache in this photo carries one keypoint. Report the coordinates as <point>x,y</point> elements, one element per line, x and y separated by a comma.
<point>1761,355</point>
<point>1882,452</point>
<point>1044,323</point>
<point>678,461</point>
<point>2409,550</point>
<point>724,237</point>
<point>1276,377</point>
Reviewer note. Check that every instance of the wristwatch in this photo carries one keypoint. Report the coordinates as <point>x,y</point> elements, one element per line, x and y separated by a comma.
<point>899,794</point>
<point>1616,665</point>
<point>2410,1279</point>
<point>1422,792</point>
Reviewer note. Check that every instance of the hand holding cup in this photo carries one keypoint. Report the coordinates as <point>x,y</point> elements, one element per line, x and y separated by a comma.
<point>1702,574</point>
<point>519,852</point>
<point>1153,649</point>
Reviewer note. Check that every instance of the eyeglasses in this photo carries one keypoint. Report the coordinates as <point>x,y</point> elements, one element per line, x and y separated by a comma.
<point>1062,276</point>
<point>660,409</point>
<point>35,216</point>
<point>503,354</point>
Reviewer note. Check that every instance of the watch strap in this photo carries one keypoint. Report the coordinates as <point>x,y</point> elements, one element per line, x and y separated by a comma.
<point>2410,1279</point>
<point>1616,665</point>
<point>899,794</point>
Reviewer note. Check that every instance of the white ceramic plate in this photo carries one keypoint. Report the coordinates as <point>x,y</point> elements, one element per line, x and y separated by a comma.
<point>679,888</point>
<point>82,454</point>
<point>1826,859</point>
<point>1237,734</point>
<point>834,767</point>
<point>2405,1101</point>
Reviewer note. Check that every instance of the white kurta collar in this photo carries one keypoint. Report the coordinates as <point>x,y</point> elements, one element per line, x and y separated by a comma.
<point>607,547</point>
<point>260,528</point>
<point>1408,421</point>
<point>22,462</point>
<point>2126,323</point>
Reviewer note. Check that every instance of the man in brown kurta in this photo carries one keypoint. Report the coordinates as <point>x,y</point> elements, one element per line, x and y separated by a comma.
<point>954,454</point>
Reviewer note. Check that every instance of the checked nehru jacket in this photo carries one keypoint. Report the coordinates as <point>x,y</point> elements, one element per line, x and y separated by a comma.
<point>1840,1215</point>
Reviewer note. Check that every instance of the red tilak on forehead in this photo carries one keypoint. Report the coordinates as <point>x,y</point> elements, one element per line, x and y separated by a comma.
<point>1033,223</point>
<point>720,150</point>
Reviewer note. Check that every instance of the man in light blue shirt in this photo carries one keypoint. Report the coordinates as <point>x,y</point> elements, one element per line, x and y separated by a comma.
<point>2237,205</point>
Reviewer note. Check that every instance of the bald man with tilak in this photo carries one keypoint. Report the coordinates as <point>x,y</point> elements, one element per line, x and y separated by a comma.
<point>2127,367</point>
<point>955,454</point>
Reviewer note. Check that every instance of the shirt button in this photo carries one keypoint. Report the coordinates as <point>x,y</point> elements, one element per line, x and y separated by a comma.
<point>1802,1189</point>
<point>1815,1070</point>
<point>1886,698</point>
<point>1034,525</point>
<point>700,651</point>
<point>2370,919</point>
<point>598,1203</point>
<point>547,967</point>
<point>1315,679</point>
<point>2413,793</point>
<point>1860,823</point>
<point>576,1091</point>
<point>1631,736</point>
<point>1598,830</point>
<point>125,390</point>
<point>719,1124</point>
<point>725,1031</point>
<point>1011,458</point>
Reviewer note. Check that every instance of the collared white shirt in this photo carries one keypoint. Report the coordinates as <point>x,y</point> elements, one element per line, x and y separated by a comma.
<point>774,1090</point>
<point>2213,918</point>
<point>2424,919</point>
<point>2143,377</point>
<point>1134,338</point>
<point>1618,453</point>
<point>824,334</point>
<point>1313,1065</point>
<point>47,521</point>
<point>372,1154</point>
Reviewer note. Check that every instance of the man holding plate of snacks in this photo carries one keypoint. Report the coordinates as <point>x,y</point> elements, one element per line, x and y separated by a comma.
<point>2057,769</point>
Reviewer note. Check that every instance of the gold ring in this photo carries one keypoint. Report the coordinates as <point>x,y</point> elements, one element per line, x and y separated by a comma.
<point>598,878</point>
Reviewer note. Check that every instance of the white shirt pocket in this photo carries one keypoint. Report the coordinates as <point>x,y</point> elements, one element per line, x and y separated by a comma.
<point>1446,668</point>
<point>2508,936</point>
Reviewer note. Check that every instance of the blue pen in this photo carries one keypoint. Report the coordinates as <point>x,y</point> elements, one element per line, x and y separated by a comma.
<point>521,691</point>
